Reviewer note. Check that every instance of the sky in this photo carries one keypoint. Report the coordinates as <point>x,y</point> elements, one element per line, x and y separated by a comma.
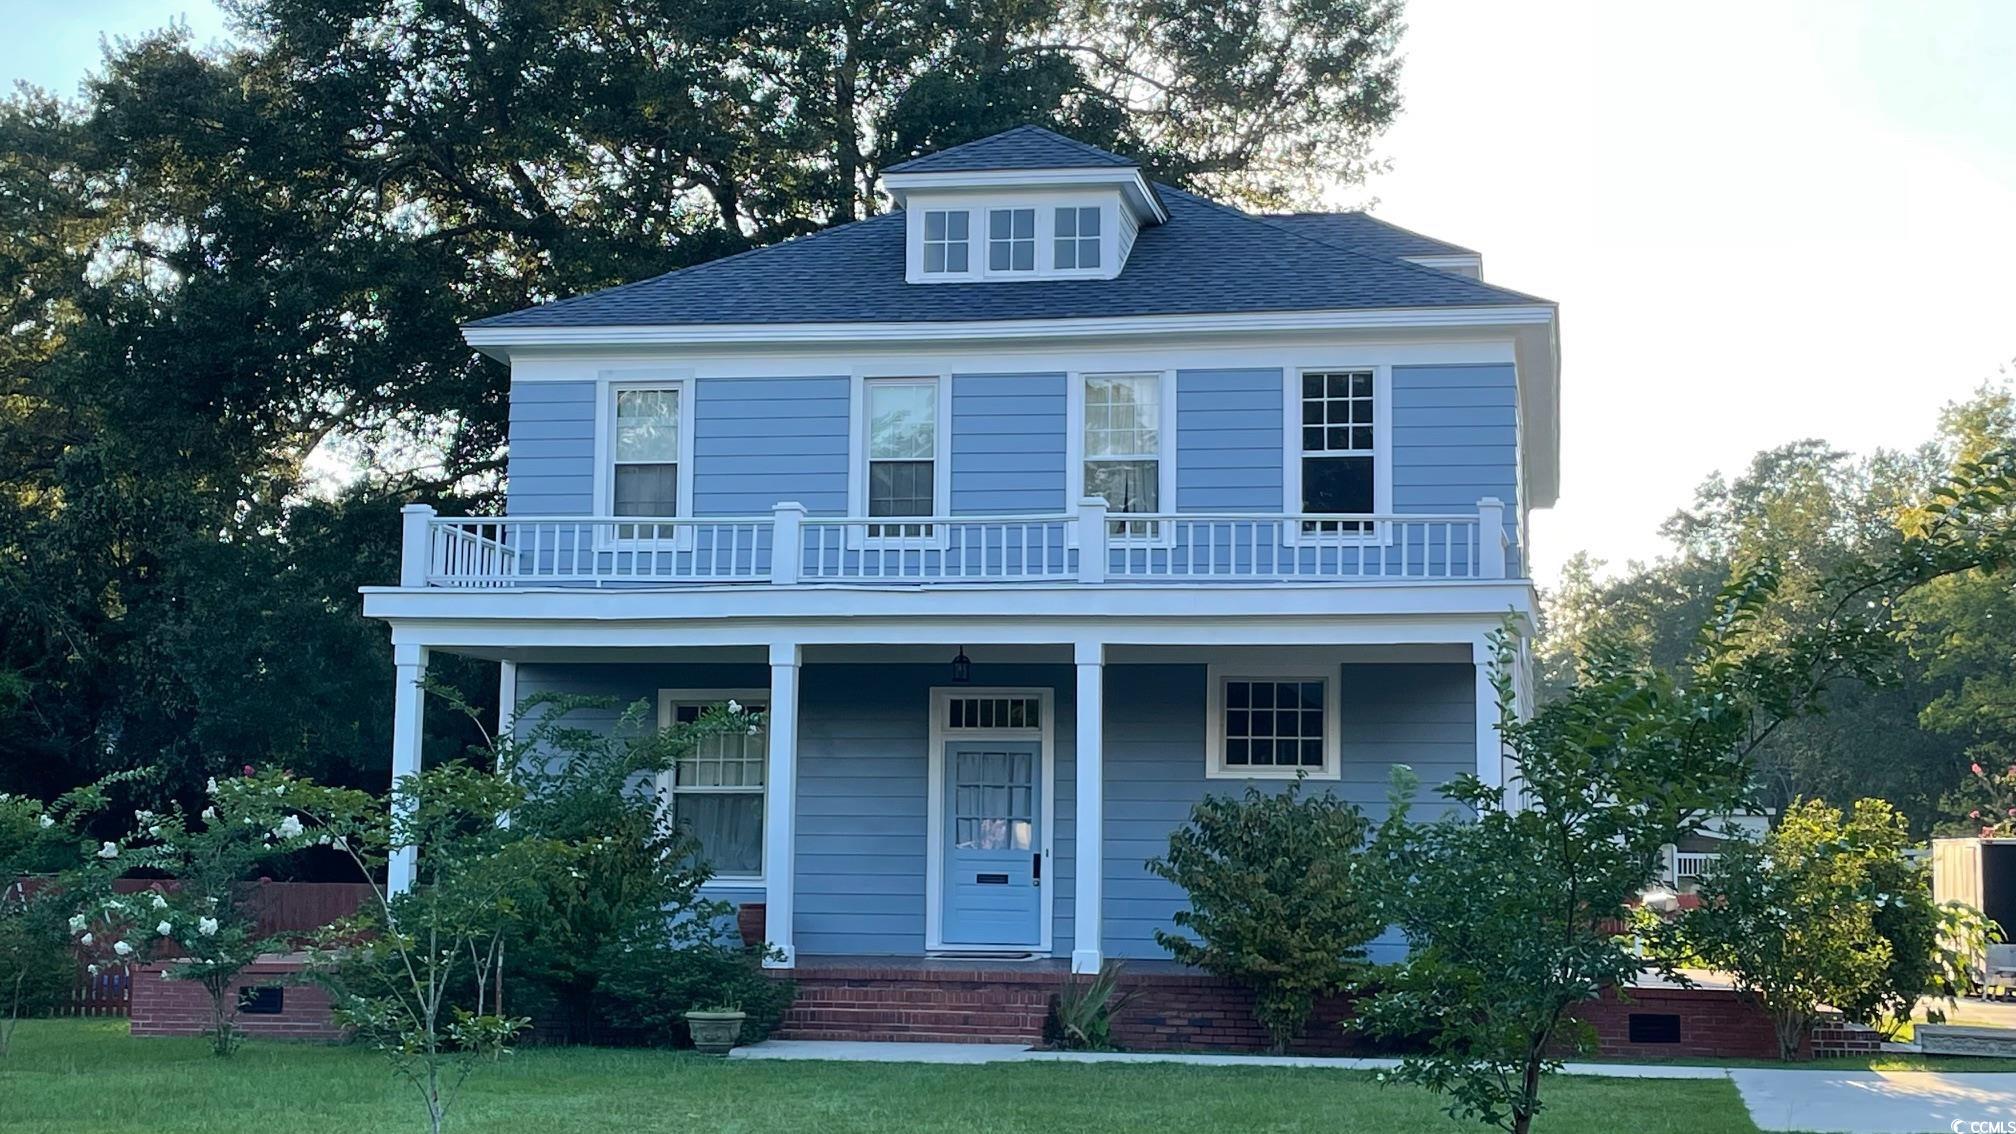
<point>1763,221</point>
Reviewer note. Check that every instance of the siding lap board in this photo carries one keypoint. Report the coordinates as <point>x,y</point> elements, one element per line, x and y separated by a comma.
<point>1228,441</point>
<point>551,470</point>
<point>758,441</point>
<point>1007,444</point>
<point>1456,441</point>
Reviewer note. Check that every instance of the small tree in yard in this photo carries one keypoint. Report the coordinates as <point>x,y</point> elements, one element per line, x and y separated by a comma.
<point>1827,910</point>
<point>1282,898</point>
<point>41,855</point>
<point>410,972</point>
<point>1510,915</point>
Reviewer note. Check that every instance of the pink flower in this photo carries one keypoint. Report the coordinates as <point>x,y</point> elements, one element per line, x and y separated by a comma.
<point>248,769</point>
<point>1976,767</point>
<point>1974,814</point>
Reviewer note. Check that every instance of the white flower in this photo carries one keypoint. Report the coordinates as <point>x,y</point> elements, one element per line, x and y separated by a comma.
<point>77,923</point>
<point>92,969</point>
<point>289,828</point>
<point>211,787</point>
<point>164,929</point>
<point>87,940</point>
<point>279,789</point>
<point>46,822</point>
<point>109,850</point>
<point>159,902</point>
<point>209,815</point>
<point>734,706</point>
<point>121,948</point>
<point>207,926</point>
<point>155,830</point>
<point>143,817</point>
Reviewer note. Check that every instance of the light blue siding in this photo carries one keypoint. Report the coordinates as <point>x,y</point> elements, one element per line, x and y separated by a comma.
<point>1228,441</point>
<point>1419,715</point>
<point>1455,441</point>
<point>1007,444</point>
<point>757,441</point>
<point>552,463</point>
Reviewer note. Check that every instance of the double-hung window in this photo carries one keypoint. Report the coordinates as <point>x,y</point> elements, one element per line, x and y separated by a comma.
<point>644,458</point>
<point>1273,724</point>
<point>716,788</point>
<point>1123,447</point>
<point>1011,240</point>
<point>946,241</point>
<point>1076,240</point>
<point>902,448</point>
<point>1339,445</point>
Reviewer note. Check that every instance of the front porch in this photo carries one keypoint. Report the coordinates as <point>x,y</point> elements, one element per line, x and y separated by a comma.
<point>894,811</point>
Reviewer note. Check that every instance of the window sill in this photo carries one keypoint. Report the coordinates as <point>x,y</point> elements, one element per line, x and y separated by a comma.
<point>1275,774</point>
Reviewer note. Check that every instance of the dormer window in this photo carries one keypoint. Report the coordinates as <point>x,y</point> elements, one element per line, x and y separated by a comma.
<point>1077,238</point>
<point>946,240</point>
<point>1011,240</point>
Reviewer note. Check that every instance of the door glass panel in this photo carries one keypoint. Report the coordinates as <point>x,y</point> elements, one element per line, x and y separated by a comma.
<point>993,801</point>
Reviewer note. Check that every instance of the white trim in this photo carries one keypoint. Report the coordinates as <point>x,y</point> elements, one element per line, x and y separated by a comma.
<point>1500,315</point>
<point>857,451</point>
<point>1465,263</point>
<point>1216,674</point>
<point>610,383</point>
<point>934,823</point>
<point>1128,180</point>
<point>1074,446</point>
<point>748,697</point>
<point>1382,448</point>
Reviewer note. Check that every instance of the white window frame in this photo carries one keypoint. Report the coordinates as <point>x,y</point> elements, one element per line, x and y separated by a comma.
<point>1165,458</point>
<point>1037,268</point>
<point>925,243</point>
<point>857,459</point>
<point>1382,453</point>
<point>609,385</point>
<point>1099,241</point>
<point>1217,674</point>
<point>749,699</point>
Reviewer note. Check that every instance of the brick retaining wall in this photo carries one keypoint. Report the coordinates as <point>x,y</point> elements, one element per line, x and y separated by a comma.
<point>162,1007</point>
<point>1713,1022</point>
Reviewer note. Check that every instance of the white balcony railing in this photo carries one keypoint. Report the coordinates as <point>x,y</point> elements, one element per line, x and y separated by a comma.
<point>1689,866</point>
<point>1090,545</point>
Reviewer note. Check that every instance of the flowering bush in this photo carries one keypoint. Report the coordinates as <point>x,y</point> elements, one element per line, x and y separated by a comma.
<point>1990,801</point>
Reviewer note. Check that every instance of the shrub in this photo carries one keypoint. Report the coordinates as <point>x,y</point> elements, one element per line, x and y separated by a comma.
<point>1826,909</point>
<point>1283,898</point>
<point>646,990</point>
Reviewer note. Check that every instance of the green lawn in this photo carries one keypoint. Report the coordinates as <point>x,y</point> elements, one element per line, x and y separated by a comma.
<point>90,1076</point>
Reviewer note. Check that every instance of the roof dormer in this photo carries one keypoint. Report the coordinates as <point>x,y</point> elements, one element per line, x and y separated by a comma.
<point>1027,204</point>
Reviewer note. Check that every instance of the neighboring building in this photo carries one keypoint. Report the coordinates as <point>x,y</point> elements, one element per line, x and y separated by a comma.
<point>1199,497</point>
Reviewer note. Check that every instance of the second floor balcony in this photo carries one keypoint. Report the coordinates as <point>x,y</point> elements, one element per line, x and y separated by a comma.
<point>1091,545</point>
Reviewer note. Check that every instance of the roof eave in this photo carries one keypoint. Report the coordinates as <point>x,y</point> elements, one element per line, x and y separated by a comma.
<point>1141,196</point>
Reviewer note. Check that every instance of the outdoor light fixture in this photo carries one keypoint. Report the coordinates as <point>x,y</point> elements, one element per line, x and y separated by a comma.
<point>962,667</point>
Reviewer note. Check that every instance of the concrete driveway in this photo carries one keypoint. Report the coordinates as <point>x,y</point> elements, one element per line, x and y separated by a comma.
<point>1879,1102</point>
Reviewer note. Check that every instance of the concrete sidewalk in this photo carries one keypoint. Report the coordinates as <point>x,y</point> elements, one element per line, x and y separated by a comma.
<point>1815,1100</point>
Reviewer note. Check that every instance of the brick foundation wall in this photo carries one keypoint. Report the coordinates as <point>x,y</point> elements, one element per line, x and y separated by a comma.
<point>1835,1036</point>
<point>1714,1022</point>
<point>162,1007</point>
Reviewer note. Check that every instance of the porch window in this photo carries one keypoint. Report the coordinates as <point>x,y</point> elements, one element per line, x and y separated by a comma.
<point>902,453</point>
<point>1339,439</point>
<point>1123,446</point>
<point>1273,725</point>
<point>716,790</point>
<point>644,452</point>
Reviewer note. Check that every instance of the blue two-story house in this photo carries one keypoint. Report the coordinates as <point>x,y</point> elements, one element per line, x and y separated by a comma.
<point>1031,512</point>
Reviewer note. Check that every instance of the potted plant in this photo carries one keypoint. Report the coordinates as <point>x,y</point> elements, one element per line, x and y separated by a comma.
<point>715,1029</point>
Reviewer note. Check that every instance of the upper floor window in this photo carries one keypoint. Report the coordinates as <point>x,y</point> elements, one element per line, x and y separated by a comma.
<point>1123,445</point>
<point>902,452</point>
<point>1077,238</point>
<point>1011,240</point>
<point>1339,424</point>
<point>716,788</point>
<point>644,479</point>
<point>947,240</point>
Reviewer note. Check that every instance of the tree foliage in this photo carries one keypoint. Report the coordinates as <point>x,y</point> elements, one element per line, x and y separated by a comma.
<point>233,279</point>
<point>1512,915</point>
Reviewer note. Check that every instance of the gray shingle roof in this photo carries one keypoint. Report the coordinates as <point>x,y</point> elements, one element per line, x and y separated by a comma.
<point>1208,258</point>
<point>1024,147</point>
<point>1365,233</point>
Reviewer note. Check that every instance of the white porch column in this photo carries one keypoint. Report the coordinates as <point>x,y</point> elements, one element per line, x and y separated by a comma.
<point>409,700</point>
<point>1490,745</point>
<point>1089,868</point>
<point>780,808</point>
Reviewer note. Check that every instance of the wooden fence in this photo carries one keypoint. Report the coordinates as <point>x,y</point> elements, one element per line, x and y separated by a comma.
<point>283,908</point>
